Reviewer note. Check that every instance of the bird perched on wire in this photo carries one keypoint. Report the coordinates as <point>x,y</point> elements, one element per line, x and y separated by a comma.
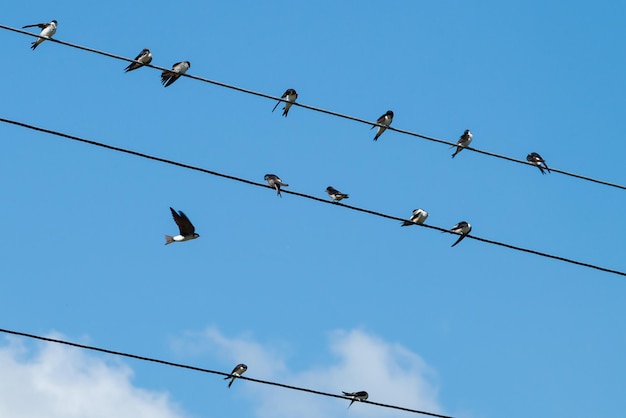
<point>47,30</point>
<point>356,396</point>
<point>274,181</point>
<point>383,122</point>
<point>144,57</point>
<point>185,227</point>
<point>237,372</point>
<point>418,217</point>
<point>290,97</point>
<point>463,142</point>
<point>335,194</point>
<point>463,228</point>
<point>169,76</point>
<point>536,159</point>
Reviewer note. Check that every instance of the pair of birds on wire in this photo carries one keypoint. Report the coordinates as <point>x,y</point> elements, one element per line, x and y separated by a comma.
<point>241,369</point>
<point>168,77</point>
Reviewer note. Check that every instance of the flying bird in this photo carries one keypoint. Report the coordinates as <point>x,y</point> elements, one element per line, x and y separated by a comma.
<point>536,159</point>
<point>47,30</point>
<point>290,96</point>
<point>274,181</point>
<point>237,372</point>
<point>335,194</point>
<point>463,142</point>
<point>384,121</point>
<point>418,217</point>
<point>144,57</point>
<point>185,227</point>
<point>462,228</point>
<point>356,396</point>
<point>169,76</point>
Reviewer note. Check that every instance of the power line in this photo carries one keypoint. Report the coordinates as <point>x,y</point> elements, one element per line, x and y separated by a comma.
<point>317,109</point>
<point>306,196</point>
<point>199,369</point>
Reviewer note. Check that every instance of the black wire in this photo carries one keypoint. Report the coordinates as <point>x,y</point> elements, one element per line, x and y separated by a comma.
<point>199,369</point>
<point>317,109</point>
<point>306,196</point>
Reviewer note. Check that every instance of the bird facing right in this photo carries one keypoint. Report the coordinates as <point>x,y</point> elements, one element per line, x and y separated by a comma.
<point>47,30</point>
<point>168,77</point>
<point>418,217</point>
<point>237,372</point>
<point>383,122</point>
<point>274,181</point>
<point>356,396</point>
<point>185,227</point>
<point>536,159</point>
<point>463,142</point>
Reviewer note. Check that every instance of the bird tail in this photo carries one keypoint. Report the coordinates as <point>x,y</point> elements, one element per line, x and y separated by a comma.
<point>169,239</point>
<point>546,165</point>
<point>276,106</point>
<point>231,382</point>
<point>35,44</point>
<point>458,149</point>
<point>458,240</point>
<point>407,223</point>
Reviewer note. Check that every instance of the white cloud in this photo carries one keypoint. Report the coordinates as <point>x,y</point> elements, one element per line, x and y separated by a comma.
<point>56,381</point>
<point>389,372</point>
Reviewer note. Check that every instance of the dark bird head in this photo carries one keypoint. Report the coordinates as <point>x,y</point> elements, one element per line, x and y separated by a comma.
<point>55,22</point>
<point>389,113</point>
<point>291,92</point>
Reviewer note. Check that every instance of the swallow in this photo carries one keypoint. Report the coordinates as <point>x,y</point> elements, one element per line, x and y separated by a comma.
<point>356,396</point>
<point>335,194</point>
<point>237,372</point>
<point>536,159</point>
<point>384,121</point>
<point>47,30</point>
<point>463,142</point>
<point>418,217</point>
<point>274,181</point>
<point>185,227</point>
<point>290,97</point>
<point>462,228</point>
<point>169,76</point>
<point>144,57</point>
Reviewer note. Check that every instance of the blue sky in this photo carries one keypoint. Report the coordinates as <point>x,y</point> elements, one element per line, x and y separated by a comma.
<point>302,292</point>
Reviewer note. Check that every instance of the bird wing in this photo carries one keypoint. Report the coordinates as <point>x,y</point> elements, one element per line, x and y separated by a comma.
<point>39,25</point>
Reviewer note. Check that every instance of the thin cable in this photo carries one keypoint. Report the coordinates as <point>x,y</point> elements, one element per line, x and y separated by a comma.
<point>317,109</point>
<point>306,196</point>
<point>199,369</point>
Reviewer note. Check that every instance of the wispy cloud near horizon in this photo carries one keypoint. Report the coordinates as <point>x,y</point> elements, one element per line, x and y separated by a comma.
<point>54,381</point>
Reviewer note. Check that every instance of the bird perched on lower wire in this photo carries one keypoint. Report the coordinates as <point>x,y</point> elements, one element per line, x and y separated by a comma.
<point>536,159</point>
<point>169,76</point>
<point>144,57</point>
<point>290,97</point>
<point>418,217</point>
<point>463,142</point>
<point>47,30</point>
<point>462,228</point>
<point>237,372</point>
<point>335,194</point>
<point>384,121</point>
<point>185,227</point>
<point>356,396</point>
<point>274,181</point>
